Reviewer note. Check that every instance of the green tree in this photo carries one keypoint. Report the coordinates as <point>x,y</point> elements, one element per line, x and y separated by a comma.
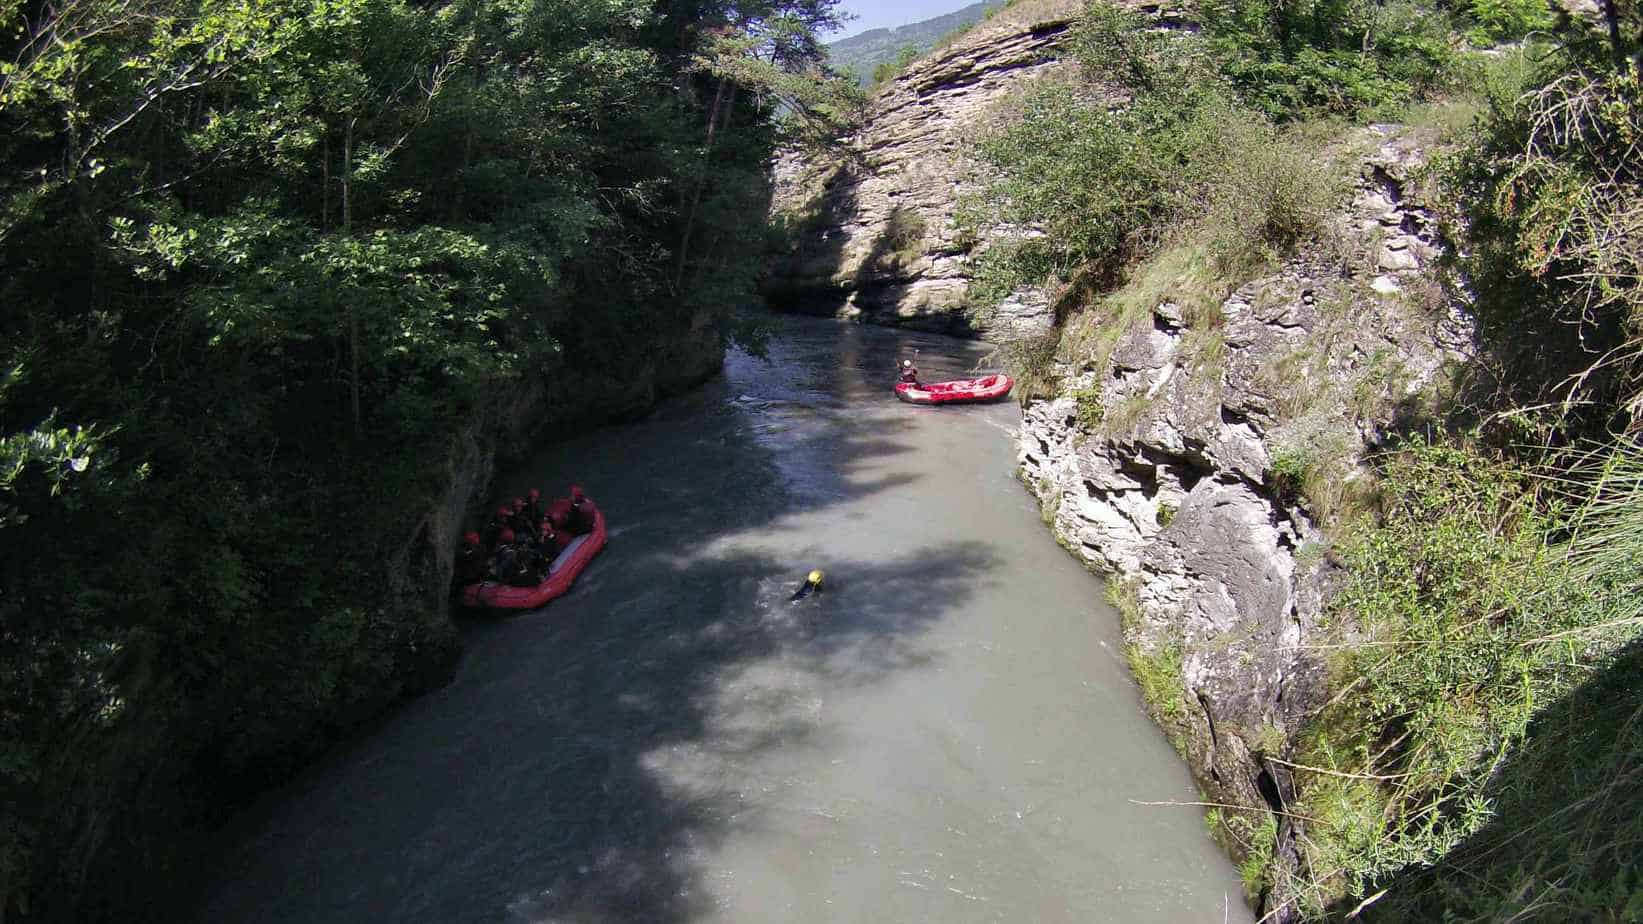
<point>267,265</point>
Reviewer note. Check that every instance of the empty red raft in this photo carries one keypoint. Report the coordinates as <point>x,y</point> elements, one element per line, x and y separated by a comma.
<point>560,577</point>
<point>963,391</point>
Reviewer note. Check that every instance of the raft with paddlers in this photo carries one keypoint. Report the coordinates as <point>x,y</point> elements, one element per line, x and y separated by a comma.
<point>963,391</point>
<point>565,567</point>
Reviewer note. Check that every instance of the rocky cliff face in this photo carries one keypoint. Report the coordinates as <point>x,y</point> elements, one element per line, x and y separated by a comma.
<point>1198,476</point>
<point>876,237</point>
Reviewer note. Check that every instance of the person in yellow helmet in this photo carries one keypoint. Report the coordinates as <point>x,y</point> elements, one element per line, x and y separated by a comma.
<point>812,583</point>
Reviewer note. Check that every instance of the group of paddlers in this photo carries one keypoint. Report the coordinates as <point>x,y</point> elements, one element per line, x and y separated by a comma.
<point>520,543</point>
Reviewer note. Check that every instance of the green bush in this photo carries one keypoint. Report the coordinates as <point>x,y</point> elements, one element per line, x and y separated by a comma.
<point>1495,21</point>
<point>1272,191</point>
<point>1031,361</point>
<point>1091,407</point>
<point>1294,60</point>
<point>1083,191</point>
<point>1547,198</point>
<point>1466,622</point>
<point>888,70</point>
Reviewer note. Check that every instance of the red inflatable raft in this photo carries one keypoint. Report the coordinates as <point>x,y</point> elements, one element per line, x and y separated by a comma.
<point>963,391</point>
<point>561,575</point>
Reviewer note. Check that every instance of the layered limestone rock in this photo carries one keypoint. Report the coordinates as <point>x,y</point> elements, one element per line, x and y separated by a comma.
<point>876,237</point>
<point>1217,453</point>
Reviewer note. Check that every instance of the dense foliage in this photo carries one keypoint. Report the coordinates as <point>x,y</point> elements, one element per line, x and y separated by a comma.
<point>1465,621</point>
<point>265,266</point>
<point>1485,602</point>
<point>1550,197</point>
<point>1488,731</point>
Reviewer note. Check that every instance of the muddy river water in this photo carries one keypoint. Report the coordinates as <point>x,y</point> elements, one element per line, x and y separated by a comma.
<point>947,733</point>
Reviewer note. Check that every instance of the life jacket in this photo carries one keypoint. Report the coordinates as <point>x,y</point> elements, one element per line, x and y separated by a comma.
<point>523,526</point>
<point>470,565</point>
<point>530,571</point>
<point>505,563</point>
<point>581,516</point>
<point>560,514</point>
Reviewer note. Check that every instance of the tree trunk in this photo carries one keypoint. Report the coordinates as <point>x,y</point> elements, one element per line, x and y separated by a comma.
<point>1611,15</point>
<point>720,104</point>
<point>347,232</point>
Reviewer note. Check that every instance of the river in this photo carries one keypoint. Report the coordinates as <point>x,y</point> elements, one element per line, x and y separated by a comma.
<point>947,733</point>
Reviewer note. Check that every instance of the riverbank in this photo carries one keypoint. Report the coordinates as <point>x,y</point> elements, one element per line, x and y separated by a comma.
<point>946,732</point>
<point>1323,391</point>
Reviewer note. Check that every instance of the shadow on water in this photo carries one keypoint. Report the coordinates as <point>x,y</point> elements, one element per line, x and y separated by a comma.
<point>587,755</point>
<point>641,741</point>
<point>1566,838</point>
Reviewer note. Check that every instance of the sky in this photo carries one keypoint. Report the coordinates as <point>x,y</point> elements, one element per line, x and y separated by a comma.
<point>883,14</point>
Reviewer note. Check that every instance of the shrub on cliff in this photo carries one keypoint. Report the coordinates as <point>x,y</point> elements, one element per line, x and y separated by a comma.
<point>1292,61</point>
<point>1485,597</point>
<point>1550,200</point>
<point>1083,189</point>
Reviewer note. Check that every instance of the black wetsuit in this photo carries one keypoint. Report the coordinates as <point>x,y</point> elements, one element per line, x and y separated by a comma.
<point>470,565</point>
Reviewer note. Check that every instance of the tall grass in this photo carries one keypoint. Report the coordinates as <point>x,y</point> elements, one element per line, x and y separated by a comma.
<point>1485,596</point>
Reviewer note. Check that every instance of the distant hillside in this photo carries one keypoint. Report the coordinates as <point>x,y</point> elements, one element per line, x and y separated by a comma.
<point>862,53</point>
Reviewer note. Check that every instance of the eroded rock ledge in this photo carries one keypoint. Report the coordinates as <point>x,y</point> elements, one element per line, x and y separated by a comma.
<point>1186,490</point>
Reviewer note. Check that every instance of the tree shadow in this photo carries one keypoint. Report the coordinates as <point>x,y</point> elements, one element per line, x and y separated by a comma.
<point>611,741</point>
<point>1566,837</point>
<point>587,757</point>
<point>1527,355</point>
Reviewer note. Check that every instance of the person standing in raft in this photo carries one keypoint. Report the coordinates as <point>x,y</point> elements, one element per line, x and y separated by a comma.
<point>909,373</point>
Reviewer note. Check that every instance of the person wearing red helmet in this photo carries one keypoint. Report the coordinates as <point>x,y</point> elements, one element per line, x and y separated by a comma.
<point>581,512</point>
<point>509,563</point>
<point>533,506</point>
<point>493,530</point>
<point>471,561</point>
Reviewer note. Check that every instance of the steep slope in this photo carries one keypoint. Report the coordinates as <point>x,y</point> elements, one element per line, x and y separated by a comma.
<point>874,230</point>
<point>1173,467</point>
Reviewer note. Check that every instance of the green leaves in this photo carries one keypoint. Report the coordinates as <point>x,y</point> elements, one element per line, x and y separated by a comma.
<point>1351,58</point>
<point>275,259</point>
